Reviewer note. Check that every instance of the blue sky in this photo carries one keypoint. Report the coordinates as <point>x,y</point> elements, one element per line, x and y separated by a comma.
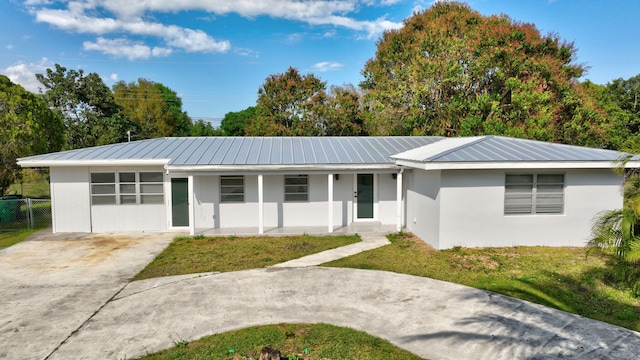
<point>216,53</point>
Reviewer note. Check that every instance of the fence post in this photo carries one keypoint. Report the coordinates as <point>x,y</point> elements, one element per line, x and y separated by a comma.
<point>30,221</point>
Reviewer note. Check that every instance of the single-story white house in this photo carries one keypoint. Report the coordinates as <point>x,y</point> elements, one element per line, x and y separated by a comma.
<point>467,191</point>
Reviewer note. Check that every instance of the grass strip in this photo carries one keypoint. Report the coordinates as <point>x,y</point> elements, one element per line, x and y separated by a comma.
<point>187,255</point>
<point>295,342</point>
<point>11,238</point>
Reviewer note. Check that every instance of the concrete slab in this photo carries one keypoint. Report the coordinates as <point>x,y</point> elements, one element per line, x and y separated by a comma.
<point>368,242</point>
<point>50,284</point>
<point>433,319</point>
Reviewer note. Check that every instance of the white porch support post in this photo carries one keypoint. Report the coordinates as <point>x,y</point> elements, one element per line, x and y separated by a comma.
<point>192,202</point>
<point>330,202</point>
<point>260,205</point>
<point>399,201</point>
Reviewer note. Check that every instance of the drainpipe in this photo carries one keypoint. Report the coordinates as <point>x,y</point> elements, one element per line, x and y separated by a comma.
<point>399,201</point>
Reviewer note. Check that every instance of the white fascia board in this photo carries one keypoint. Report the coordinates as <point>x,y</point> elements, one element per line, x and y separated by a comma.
<point>510,165</point>
<point>277,168</point>
<point>632,164</point>
<point>54,163</point>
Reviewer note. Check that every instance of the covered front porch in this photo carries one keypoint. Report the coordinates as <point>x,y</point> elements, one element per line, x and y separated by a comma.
<point>361,201</point>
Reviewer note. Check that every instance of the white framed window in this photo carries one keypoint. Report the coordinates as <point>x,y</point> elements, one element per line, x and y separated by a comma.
<point>296,188</point>
<point>527,194</point>
<point>103,188</point>
<point>127,188</point>
<point>151,188</point>
<point>127,185</point>
<point>231,188</point>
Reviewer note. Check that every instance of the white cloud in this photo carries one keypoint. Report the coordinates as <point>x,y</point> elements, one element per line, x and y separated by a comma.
<point>246,52</point>
<point>125,48</point>
<point>294,38</point>
<point>329,34</point>
<point>25,74</point>
<point>327,66</point>
<point>129,18</point>
<point>75,20</point>
<point>113,77</point>
<point>9,46</point>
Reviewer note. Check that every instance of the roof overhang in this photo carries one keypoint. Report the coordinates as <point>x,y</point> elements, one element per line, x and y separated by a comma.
<point>65,163</point>
<point>277,168</point>
<point>516,165</point>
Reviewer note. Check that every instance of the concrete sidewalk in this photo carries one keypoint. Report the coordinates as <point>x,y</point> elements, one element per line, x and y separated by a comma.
<point>368,242</point>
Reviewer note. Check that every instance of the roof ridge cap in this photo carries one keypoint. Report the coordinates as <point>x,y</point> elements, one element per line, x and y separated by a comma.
<point>480,138</point>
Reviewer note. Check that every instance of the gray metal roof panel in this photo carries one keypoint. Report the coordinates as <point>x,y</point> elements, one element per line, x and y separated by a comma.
<point>503,149</point>
<point>329,150</point>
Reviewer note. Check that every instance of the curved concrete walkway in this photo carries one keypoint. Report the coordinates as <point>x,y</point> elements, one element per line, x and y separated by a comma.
<point>70,299</point>
<point>433,319</point>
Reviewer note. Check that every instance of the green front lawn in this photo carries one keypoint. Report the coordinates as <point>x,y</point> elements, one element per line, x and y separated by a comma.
<point>10,238</point>
<point>295,342</point>
<point>187,255</point>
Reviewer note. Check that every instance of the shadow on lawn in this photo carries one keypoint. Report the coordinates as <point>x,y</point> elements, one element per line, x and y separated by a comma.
<point>577,294</point>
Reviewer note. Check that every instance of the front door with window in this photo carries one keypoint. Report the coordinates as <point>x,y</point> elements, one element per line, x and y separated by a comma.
<point>364,197</point>
<point>179,202</point>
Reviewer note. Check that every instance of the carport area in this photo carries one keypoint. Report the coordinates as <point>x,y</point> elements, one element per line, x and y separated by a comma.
<point>51,284</point>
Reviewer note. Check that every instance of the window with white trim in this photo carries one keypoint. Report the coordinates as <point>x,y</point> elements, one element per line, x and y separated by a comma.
<point>151,188</point>
<point>296,188</point>
<point>103,188</point>
<point>127,188</point>
<point>534,194</point>
<point>231,188</point>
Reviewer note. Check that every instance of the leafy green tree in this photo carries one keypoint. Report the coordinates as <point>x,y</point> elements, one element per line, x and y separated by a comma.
<point>154,108</point>
<point>27,127</point>
<point>626,94</point>
<point>90,114</point>
<point>234,123</point>
<point>342,112</point>
<point>204,128</point>
<point>613,120</point>
<point>451,71</point>
<point>286,105</point>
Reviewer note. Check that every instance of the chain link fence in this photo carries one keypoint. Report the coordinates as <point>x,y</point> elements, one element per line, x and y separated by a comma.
<point>17,213</point>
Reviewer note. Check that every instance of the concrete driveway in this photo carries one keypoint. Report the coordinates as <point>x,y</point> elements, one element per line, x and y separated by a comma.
<point>51,284</point>
<point>433,319</point>
<point>70,300</point>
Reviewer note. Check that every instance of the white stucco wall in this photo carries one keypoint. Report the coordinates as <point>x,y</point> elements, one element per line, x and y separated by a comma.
<point>205,189</point>
<point>423,205</point>
<point>343,200</point>
<point>71,200</point>
<point>472,210</point>
<point>119,218</point>
<point>387,189</point>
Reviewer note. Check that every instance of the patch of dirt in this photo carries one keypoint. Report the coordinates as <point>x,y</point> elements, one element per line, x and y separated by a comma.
<point>475,262</point>
<point>101,247</point>
<point>56,255</point>
<point>409,240</point>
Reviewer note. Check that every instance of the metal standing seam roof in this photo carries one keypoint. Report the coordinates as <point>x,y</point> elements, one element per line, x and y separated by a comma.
<point>503,149</point>
<point>309,151</point>
<point>194,151</point>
